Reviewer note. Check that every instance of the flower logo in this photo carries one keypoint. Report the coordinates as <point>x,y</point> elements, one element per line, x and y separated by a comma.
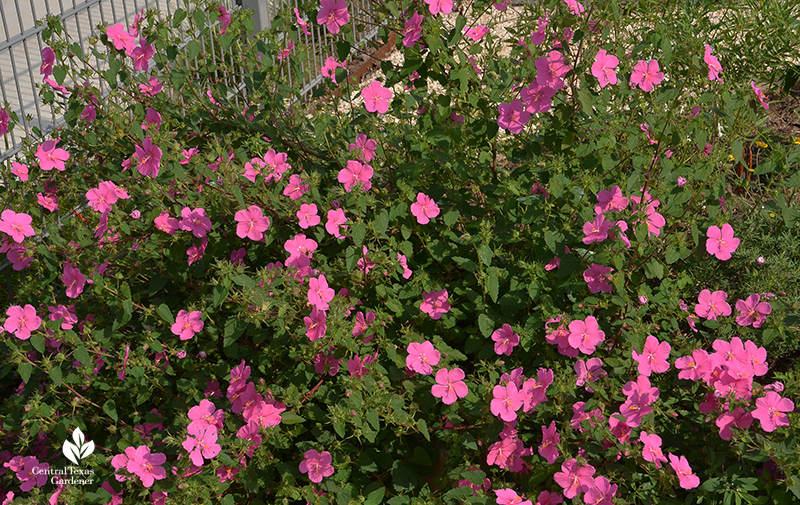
<point>79,450</point>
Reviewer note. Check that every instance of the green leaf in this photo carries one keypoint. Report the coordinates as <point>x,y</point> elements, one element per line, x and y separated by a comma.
<point>553,238</point>
<point>422,426</point>
<point>83,355</point>
<point>672,255</point>
<point>25,370</point>
<point>485,254</point>
<point>291,418</point>
<point>381,222</point>
<point>373,419</point>
<point>493,286</point>
<point>375,497</point>
<point>450,217</point>
<point>359,231</point>
<point>220,294</point>
<point>485,324</point>
<point>110,408</point>
<point>342,50</point>
<point>237,192</point>
<point>404,478</point>
<point>55,374</point>
<point>178,77</point>
<point>179,16</point>
<point>228,500</point>
<point>165,313</point>
<point>244,280</point>
<point>37,341</point>
<point>193,49</point>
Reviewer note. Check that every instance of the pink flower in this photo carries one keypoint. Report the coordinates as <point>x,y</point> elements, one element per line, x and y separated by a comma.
<point>513,116</point>
<point>20,170</point>
<point>336,218</point>
<point>308,215</point>
<point>120,37</point>
<point>476,33</point>
<point>596,276</point>
<point>714,68</point>
<point>147,466</point>
<point>315,324</point>
<point>224,19</point>
<point>508,496</point>
<point>116,498</point>
<point>49,202</point>
<point>364,147</point>
<point>166,223</point>
<point>721,243</point>
<point>770,411</point>
<point>356,173</point>
<point>551,69</point>
<point>51,157</point>
<point>407,273</point>
<point>67,316</point>
<point>710,305</point>
<point>152,87</point>
<point>597,230</point>
<point>574,478</point>
<point>739,418</point>
<point>548,498</point>
<point>576,8</point>
<point>152,117</point>
<point>413,30</point>
<point>588,372</point>
<point>422,357</point>
<point>600,492</point>
<point>48,58</point>
<point>376,97</point>
<point>195,221</point>
<point>187,324</point>
<point>603,68</point>
<point>286,51</point>
<point>694,367</point>
<point>646,75</point>
<point>585,335</point>
<point>538,99</point>
<point>424,209</point>
<point>301,22</point>
<point>357,367</point>
<point>760,95</point>
<point>437,6</point>
<point>550,439</point>
<point>688,480</point>
<point>74,280</point>
<point>652,448</point>
<point>202,445</point>
<point>17,226</point>
<point>252,223</point>
<point>449,385</point>
<point>507,401</point>
<point>752,312</point>
<point>22,321</point>
<point>141,55</point>
<point>149,156</point>
<point>333,14</point>
<point>653,357</point>
<point>610,200</point>
<point>276,163</point>
<point>295,189</point>
<point>505,340</point>
<point>329,68</point>
<point>203,416</point>
<point>319,294</point>
<point>435,303</point>
<point>317,465</point>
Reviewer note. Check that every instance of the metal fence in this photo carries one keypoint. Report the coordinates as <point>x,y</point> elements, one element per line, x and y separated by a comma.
<point>21,46</point>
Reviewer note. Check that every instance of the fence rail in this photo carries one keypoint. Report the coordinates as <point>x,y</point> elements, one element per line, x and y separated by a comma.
<point>21,47</point>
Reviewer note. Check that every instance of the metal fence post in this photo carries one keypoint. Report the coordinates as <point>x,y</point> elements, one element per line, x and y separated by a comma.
<point>262,15</point>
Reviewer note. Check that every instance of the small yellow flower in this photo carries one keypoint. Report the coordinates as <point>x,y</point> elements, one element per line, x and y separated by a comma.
<point>730,157</point>
<point>761,144</point>
<point>771,214</point>
<point>797,140</point>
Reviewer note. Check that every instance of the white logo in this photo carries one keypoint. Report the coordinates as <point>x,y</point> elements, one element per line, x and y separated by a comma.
<point>75,452</point>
